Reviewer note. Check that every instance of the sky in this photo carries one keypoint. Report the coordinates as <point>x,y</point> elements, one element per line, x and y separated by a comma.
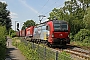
<point>23,10</point>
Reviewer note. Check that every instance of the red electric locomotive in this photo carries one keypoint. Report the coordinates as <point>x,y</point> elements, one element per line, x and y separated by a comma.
<point>54,32</point>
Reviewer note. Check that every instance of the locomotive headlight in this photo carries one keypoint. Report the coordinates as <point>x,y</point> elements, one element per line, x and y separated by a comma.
<point>52,35</point>
<point>61,35</point>
<point>30,35</point>
<point>68,35</point>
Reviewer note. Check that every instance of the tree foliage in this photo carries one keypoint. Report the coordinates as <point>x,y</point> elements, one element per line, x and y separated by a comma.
<point>84,3</point>
<point>56,13</point>
<point>82,35</point>
<point>28,23</point>
<point>2,42</point>
<point>86,19</point>
<point>5,16</point>
<point>12,33</point>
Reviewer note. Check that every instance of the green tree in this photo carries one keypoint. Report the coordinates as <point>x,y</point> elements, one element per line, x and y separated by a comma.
<point>86,19</point>
<point>28,23</point>
<point>82,35</point>
<point>76,26</point>
<point>2,42</point>
<point>5,19</point>
<point>11,31</point>
<point>56,13</point>
<point>84,3</point>
<point>74,9</point>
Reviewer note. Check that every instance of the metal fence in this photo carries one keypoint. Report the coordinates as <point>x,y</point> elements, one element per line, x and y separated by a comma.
<point>44,53</point>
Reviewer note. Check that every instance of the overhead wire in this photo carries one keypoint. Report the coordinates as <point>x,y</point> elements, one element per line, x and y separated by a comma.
<point>42,7</point>
<point>55,7</point>
<point>45,5</point>
<point>50,6</point>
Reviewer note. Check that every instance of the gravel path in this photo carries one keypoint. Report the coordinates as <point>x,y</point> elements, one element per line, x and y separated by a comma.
<point>12,52</point>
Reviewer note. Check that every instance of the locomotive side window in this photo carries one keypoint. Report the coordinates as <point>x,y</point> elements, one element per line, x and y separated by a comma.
<point>48,28</point>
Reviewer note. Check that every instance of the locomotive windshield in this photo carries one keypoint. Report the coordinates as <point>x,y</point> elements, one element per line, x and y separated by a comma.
<point>60,27</point>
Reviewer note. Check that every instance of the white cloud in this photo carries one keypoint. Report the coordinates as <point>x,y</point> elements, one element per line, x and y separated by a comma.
<point>68,0</point>
<point>13,15</point>
<point>26,5</point>
<point>2,1</point>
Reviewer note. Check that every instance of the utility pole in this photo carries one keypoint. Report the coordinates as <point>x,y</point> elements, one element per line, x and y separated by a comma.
<point>41,17</point>
<point>15,25</point>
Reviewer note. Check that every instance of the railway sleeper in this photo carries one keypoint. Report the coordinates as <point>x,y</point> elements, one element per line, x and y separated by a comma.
<point>79,55</point>
<point>81,52</point>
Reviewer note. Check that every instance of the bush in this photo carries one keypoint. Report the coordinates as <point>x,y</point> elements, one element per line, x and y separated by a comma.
<point>13,35</point>
<point>11,31</point>
<point>71,36</point>
<point>82,35</point>
<point>2,42</point>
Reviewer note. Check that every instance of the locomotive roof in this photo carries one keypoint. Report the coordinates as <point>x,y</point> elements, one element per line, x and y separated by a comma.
<point>55,21</point>
<point>59,21</point>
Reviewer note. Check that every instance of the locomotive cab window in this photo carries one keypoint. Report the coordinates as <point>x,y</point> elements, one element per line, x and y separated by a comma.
<point>57,26</point>
<point>60,27</point>
<point>64,26</point>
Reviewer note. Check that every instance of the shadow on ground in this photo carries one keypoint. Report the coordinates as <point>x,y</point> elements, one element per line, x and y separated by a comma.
<point>8,57</point>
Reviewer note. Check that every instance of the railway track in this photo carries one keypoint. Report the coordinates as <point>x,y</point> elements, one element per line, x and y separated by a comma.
<point>78,52</point>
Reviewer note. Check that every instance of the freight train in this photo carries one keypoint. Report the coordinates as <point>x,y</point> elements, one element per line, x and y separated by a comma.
<point>52,32</point>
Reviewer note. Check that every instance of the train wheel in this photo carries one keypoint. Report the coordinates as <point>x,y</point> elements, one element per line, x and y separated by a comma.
<point>47,44</point>
<point>31,40</point>
<point>50,45</point>
<point>64,44</point>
